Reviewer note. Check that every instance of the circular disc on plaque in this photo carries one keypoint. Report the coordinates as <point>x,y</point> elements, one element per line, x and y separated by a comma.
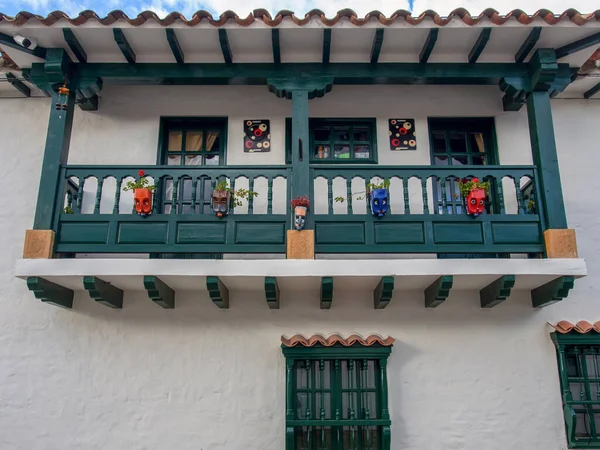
<point>266,144</point>
<point>395,142</point>
<point>249,144</point>
<point>407,125</point>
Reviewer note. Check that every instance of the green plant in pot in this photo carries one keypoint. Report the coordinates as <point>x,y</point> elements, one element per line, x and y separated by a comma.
<point>223,198</point>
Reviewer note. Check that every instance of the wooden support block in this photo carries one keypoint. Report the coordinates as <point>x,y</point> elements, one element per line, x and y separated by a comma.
<point>272,292</point>
<point>438,292</point>
<point>159,292</point>
<point>552,292</point>
<point>326,292</point>
<point>103,292</point>
<point>497,291</point>
<point>561,243</point>
<point>218,292</point>
<point>383,292</point>
<point>301,244</point>
<point>49,292</point>
<point>38,244</point>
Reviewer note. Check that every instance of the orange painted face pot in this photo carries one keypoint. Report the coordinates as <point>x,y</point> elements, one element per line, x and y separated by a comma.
<point>475,202</point>
<point>143,201</point>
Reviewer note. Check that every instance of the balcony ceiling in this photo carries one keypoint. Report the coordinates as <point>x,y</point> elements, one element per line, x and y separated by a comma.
<point>301,39</point>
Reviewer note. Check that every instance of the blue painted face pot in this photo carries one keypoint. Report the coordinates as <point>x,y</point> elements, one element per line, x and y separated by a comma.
<point>379,202</point>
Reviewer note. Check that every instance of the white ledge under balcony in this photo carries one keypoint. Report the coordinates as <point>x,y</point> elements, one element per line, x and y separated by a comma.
<point>546,280</point>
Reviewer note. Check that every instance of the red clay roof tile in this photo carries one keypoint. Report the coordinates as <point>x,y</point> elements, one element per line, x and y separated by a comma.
<point>583,326</point>
<point>263,15</point>
<point>372,339</point>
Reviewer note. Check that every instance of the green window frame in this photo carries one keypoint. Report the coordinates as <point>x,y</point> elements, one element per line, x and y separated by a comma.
<point>337,397</point>
<point>194,144</point>
<point>331,136</point>
<point>579,373</point>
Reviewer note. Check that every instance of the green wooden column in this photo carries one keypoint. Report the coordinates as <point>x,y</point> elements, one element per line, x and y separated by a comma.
<point>543,146</point>
<point>56,153</point>
<point>300,91</point>
<point>300,144</point>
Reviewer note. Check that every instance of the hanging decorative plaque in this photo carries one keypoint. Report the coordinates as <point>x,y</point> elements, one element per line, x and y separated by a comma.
<point>402,134</point>
<point>257,136</point>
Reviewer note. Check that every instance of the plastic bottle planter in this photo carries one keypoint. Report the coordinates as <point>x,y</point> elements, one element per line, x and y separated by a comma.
<point>300,217</point>
<point>475,202</point>
<point>379,202</point>
<point>220,202</point>
<point>143,201</point>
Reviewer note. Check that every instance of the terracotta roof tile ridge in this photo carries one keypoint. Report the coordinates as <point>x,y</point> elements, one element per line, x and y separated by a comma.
<point>263,15</point>
<point>335,338</point>
<point>583,327</point>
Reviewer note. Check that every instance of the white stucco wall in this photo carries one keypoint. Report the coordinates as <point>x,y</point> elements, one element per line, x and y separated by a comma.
<point>460,378</point>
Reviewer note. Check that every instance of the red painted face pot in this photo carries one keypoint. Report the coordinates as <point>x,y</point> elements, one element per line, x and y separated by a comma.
<point>476,202</point>
<point>143,201</point>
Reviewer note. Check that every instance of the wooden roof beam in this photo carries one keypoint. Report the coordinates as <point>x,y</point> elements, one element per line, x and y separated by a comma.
<point>74,45</point>
<point>429,45</point>
<point>480,44</point>
<point>18,84</point>
<point>225,48</point>
<point>593,91</point>
<point>175,47</point>
<point>528,45</point>
<point>124,46</point>
<point>276,45</point>
<point>377,44</point>
<point>580,44</point>
<point>326,45</point>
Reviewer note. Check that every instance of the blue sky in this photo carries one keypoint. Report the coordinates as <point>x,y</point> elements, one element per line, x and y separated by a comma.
<point>243,7</point>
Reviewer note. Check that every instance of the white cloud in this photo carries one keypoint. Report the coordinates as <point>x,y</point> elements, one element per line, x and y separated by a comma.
<point>475,7</point>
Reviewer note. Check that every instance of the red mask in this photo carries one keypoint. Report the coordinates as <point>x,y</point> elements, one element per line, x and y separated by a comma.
<point>476,202</point>
<point>143,201</point>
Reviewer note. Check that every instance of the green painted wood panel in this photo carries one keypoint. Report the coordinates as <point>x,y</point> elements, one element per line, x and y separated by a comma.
<point>142,233</point>
<point>399,233</point>
<point>260,233</point>
<point>340,233</point>
<point>201,233</point>
<point>458,233</point>
<point>516,233</point>
<point>83,233</point>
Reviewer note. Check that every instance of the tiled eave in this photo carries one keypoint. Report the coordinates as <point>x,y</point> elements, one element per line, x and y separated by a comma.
<point>299,340</point>
<point>381,281</point>
<point>581,327</point>
<point>262,15</point>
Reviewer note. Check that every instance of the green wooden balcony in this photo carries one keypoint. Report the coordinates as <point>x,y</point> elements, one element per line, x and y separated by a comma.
<point>94,215</point>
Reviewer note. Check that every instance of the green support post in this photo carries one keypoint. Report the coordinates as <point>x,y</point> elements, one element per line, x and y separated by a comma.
<point>55,155</point>
<point>543,147</point>
<point>300,145</point>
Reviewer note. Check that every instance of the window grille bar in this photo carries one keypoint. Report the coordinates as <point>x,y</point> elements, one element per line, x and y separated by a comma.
<point>588,394</point>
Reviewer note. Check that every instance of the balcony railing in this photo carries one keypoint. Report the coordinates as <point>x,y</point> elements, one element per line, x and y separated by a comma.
<point>426,213</point>
<point>97,216</point>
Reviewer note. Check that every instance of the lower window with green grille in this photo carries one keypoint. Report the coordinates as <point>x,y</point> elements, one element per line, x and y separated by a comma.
<point>337,397</point>
<point>579,370</point>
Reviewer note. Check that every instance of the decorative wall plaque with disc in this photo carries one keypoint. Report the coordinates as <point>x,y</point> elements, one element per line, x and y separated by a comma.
<point>402,134</point>
<point>257,136</point>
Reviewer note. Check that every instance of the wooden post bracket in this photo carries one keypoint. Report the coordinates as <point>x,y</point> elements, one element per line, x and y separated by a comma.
<point>552,292</point>
<point>438,292</point>
<point>159,292</point>
<point>326,292</point>
<point>218,292</point>
<point>49,292</point>
<point>497,291</point>
<point>383,292</point>
<point>272,292</point>
<point>103,292</point>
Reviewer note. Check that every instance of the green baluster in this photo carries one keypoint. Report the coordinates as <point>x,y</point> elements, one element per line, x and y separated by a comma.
<point>232,190</point>
<point>98,195</point>
<point>69,200</point>
<point>500,194</point>
<point>79,195</point>
<point>194,188</point>
<point>443,184</point>
<point>425,199</point>
<point>337,377</point>
<point>270,195</point>
<point>520,204</point>
<point>156,203</point>
<point>406,199</point>
<point>349,194</point>
<point>250,197</point>
<point>117,199</point>
<point>201,194</point>
<point>329,195</point>
<point>174,196</point>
